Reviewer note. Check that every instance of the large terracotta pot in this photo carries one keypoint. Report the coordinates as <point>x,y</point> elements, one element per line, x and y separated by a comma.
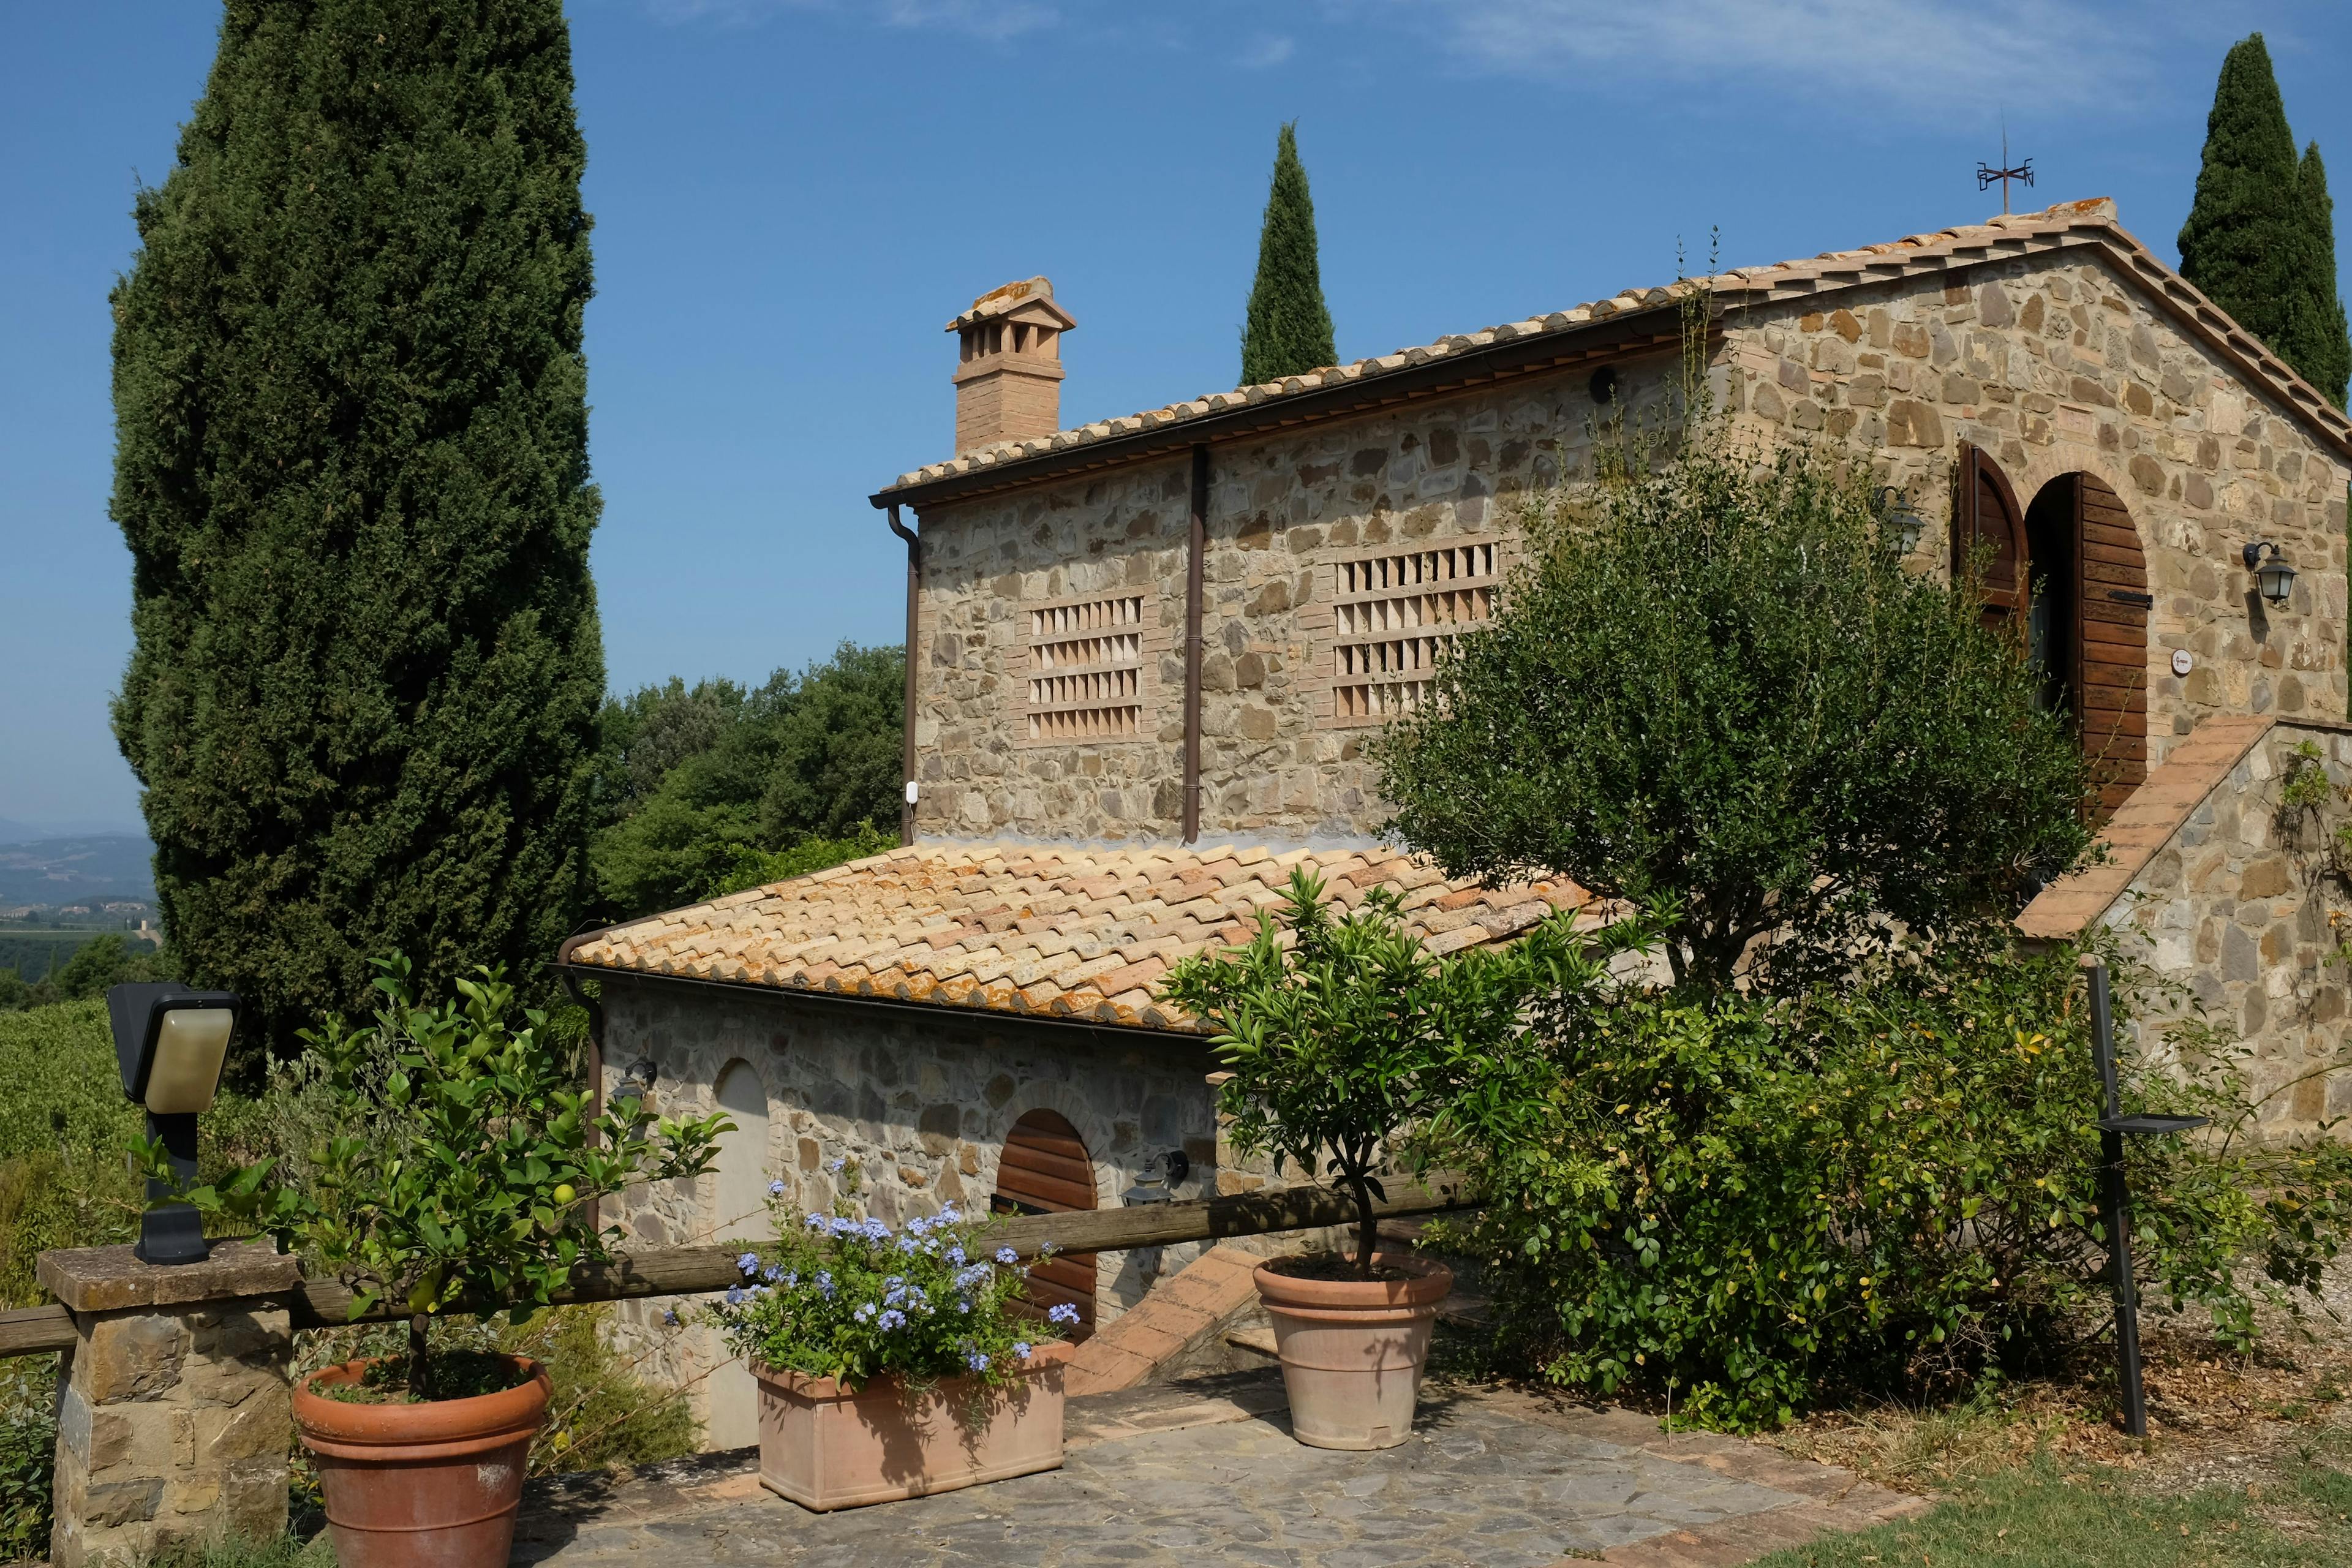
<point>1352,1350</point>
<point>421,1486</point>
<point>825,1447</point>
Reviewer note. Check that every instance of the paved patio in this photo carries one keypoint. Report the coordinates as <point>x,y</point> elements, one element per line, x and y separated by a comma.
<point>1207,1472</point>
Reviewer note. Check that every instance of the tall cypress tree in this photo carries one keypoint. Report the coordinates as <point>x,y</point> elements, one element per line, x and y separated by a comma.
<point>352,468</point>
<point>2245,228</point>
<point>2320,349</point>
<point>1290,328</point>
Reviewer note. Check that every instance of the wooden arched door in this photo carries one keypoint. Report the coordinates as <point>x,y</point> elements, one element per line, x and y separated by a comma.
<point>2111,611</point>
<point>1045,1170</point>
<point>1989,538</point>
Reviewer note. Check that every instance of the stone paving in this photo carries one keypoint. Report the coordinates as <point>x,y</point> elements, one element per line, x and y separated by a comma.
<point>1209,1473</point>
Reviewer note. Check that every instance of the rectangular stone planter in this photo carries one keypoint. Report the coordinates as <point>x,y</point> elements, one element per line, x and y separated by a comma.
<point>824,1448</point>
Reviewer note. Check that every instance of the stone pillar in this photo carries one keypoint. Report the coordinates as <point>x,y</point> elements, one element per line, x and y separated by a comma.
<point>176,1415</point>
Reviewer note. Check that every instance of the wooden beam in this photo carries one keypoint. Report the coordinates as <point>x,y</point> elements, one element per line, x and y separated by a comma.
<point>698,1270</point>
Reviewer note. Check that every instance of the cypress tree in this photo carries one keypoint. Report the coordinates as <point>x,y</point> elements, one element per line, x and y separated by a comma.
<point>2321,350</point>
<point>352,468</point>
<point>1290,328</point>
<point>2244,230</point>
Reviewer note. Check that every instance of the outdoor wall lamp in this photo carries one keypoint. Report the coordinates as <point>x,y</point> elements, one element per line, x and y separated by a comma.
<point>1172,1167</point>
<point>1905,520</point>
<point>170,1043</point>
<point>2273,575</point>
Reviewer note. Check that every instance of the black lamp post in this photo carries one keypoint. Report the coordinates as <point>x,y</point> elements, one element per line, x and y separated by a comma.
<point>2273,575</point>
<point>2115,1197</point>
<point>170,1042</point>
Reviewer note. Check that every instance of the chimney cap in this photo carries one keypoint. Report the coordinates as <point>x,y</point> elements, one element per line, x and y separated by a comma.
<point>1032,295</point>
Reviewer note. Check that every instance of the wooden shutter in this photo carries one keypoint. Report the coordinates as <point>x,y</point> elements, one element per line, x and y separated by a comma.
<point>1044,1169</point>
<point>1989,534</point>
<point>2111,607</point>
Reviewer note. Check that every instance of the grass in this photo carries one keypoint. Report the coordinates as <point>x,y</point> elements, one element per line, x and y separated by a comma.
<point>2297,1511</point>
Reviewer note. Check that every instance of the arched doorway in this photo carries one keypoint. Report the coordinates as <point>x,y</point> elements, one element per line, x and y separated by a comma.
<point>1044,1169</point>
<point>2068,575</point>
<point>740,1211</point>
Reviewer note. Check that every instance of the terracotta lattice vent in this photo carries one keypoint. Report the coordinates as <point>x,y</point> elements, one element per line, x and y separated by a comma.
<point>1392,614</point>
<point>1086,670</point>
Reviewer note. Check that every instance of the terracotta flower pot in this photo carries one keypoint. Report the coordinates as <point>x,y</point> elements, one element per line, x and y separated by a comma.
<point>1352,1350</point>
<point>825,1447</point>
<point>421,1486</point>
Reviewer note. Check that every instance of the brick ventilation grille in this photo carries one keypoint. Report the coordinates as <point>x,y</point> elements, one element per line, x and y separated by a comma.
<point>1393,613</point>
<point>1086,670</point>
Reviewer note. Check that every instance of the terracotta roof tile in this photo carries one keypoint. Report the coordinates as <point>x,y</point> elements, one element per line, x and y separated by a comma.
<point>2084,223</point>
<point>1039,930</point>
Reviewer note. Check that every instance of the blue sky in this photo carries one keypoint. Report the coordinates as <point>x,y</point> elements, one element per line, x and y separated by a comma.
<point>793,196</point>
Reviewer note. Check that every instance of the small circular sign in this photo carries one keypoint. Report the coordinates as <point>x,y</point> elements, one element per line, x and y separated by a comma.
<point>2181,661</point>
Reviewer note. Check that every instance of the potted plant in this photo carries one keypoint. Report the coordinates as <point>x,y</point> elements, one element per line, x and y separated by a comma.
<point>892,1364</point>
<point>462,1168</point>
<point>1349,1047</point>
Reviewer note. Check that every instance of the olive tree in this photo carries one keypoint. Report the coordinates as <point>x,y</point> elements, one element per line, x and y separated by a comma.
<point>1714,685</point>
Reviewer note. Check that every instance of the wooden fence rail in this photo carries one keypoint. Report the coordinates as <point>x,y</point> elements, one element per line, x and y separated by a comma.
<point>695,1270</point>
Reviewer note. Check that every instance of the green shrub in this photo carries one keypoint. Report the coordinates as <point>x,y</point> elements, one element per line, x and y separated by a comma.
<point>28,1448</point>
<point>1749,1203</point>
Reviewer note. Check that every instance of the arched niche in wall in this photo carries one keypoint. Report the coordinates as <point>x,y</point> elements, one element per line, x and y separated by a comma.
<point>1045,1168</point>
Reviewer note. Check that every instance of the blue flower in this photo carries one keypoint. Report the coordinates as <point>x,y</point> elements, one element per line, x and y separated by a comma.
<point>817,1222</point>
<point>977,1361</point>
<point>864,1312</point>
<point>950,1214</point>
<point>893,1319</point>
<point>1007,1256</point>
<point>875,1230</point>
<point>669,1316</point>
<point>918,1226</point>
<point>1065,1313</point>
<point>734,1295</point>
<point>776,1188</point>
<point>748,1263</point>
<point>772,1272</point>
<point>824,1283</point>
<point>1021,1349</point>
<point>909,1246</point>
<point>955,1255</point>
<point>896,1294</point>
<point>964,1303</point>
<point>837,1164</point>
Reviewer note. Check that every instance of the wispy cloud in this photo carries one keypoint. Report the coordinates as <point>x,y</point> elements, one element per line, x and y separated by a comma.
<point>1880,50</point>
<point>1265,52</point>
<point>990,19</point>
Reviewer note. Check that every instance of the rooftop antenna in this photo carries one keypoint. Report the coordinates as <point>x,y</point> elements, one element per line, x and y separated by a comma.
<point>1987,174</point>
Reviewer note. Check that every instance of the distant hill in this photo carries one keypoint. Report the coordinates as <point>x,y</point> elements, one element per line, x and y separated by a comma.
<point>69,870</point>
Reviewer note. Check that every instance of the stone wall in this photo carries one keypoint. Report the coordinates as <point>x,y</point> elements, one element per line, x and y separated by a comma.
<point>2243,908</point>
<point>1281,512</point>
<point>2055,366</point>
<point>919,1100</point>
<point>2051,364</point>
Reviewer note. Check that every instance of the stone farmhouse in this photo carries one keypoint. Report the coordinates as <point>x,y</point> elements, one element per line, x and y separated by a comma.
<point>1145,654</point>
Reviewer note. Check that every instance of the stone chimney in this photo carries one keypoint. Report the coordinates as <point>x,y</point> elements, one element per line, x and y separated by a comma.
<point>1008,380</point>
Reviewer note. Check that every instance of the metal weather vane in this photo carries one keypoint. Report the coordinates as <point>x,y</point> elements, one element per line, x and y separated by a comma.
<point>1987,174</point>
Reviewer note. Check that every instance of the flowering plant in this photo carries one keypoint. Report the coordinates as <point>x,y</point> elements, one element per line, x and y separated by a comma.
<point>847,1298</point>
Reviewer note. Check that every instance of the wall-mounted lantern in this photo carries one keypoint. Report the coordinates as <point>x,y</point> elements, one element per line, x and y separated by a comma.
<point>1156,1181</point>
<point>1903,523</point>
<point>2271,574</point>
<point>170,1043</point>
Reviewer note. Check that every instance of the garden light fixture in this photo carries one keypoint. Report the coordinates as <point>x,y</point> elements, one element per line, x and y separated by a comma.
<point>2273,575</point>
<point>170,1043</point>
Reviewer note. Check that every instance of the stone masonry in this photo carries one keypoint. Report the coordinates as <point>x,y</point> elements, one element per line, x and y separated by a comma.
<point>921,1104</point>
<point>2051,363</point>
<point>2240,902</point>
<point>176,1415</point>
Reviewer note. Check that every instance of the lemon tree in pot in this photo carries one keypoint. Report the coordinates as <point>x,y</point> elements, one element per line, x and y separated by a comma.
<point>893,1363</point>
<point>1352,1047</point>
<point>461,1166</point>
